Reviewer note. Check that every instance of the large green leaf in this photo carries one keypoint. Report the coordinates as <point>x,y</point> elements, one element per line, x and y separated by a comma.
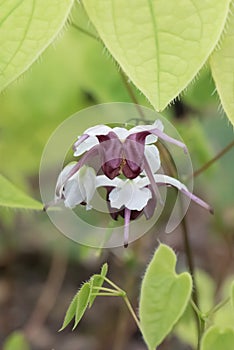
<point>11,196</point>
<point>160,45</point>
<point>26,29</point>
<point>218,339</point>
<point>222,67</point>
<point>164,296</point>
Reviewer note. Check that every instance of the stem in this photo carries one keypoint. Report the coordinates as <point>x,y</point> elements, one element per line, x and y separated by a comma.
<point>116,294</point>
<point>113,285</point>
<point>130,308</point>
<point>121,72</point>
<point>105,289</point>
<point>202,330</point>
<point>195,308</point>
<point>190,262</point>
<point>119,292</point>
<point>218,306</point>
<point>131,93</point>
<point>213,160</point>
<point>189,255</point>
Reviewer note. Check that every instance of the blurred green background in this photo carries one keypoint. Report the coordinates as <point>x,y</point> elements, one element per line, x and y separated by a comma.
<point>40,270</point>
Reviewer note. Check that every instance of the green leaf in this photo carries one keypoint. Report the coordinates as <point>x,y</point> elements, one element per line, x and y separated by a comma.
<point>186,328</point>
<point>83,297</point>
<point>70,314</point>
<point>232,294</point>
<point>97,281</point>
<point>164,296</point>
<point>224,317</point>
<point>11,196</point>
<point>104,270</point>
<point>26,29</point>
<point>161,48</point>
<point>16,341</point>
<point>222,67</point>
<point>78,306</point>
<point>218,339</point>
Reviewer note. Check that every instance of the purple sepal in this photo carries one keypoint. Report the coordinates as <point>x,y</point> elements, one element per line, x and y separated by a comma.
<point>198,200</point>
<point>167,138</point>
<point>151,205</point>
<point>79,141</point>
<point>127,216</point>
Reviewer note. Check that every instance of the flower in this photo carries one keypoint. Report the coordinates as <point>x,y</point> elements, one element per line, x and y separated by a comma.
<point>130,197</point>
<point>127,152</point>
<point>126,163</point>
<point>77,189</point>
<point>134,197</point>
<point>121,150</point>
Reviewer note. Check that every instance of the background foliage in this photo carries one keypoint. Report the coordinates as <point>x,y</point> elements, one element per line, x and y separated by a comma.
<point>75,72</point>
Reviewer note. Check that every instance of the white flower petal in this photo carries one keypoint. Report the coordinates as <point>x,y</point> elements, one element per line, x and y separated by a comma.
<point>122,133</point>
<point>130,196</point>
<point>140,199</point>
<point>103,180</point>
<point>138,128</point>
<point>151,139</point>
<point>80,187</point>
<point>153,157</point>
<point>157,124</point>
<point>98,130</point>
<point>61,179</point>
<point>170,181</point>
<point>72,193</point>
<point>142,181</point>
<point>87,179</point>
<point>86,145</point>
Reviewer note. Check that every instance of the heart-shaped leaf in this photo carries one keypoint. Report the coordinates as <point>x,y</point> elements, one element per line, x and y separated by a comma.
<point>160,45</point>
<point>26,29</point>
<point>218,339</point>
<point>12,197</point>
<point>164,296</point>
<point>222,67</point>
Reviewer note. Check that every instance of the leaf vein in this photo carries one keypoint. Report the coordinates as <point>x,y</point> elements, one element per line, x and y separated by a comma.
<point>23,38</point>
<point>156,42</point>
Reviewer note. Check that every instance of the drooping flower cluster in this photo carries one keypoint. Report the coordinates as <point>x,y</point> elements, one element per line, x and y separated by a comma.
<point>126,163</point>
